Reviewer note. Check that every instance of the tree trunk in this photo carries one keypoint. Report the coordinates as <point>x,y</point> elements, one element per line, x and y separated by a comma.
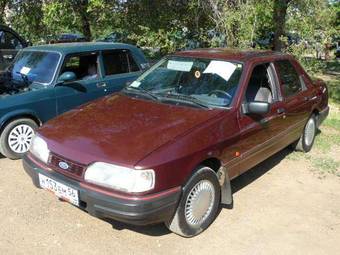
<point>279,19</point>
<point>80,7</point>
<point>3,4</point>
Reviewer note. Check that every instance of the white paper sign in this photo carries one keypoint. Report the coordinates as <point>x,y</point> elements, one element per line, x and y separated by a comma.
<point>135,84</point>
<point>25,70</point>
<point>184,66</point>
<point>221,68</point>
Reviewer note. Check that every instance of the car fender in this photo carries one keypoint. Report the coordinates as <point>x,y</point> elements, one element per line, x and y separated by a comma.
<point>22,113</point>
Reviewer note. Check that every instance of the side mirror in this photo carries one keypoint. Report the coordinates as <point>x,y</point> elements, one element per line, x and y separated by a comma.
<point>67,77</point>
<point>256,107</point>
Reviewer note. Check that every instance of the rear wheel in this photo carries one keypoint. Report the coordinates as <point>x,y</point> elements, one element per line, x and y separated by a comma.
<point>199,204</point>
<point>306,141</point>
<point>16,138</point>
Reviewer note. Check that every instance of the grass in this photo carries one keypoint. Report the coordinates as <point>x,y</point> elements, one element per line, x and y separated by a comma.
<point>325,165</point>
<point>324,159</point>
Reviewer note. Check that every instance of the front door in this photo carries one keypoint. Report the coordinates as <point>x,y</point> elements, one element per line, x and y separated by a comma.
<point>259,133</point>
<point>87,86</point>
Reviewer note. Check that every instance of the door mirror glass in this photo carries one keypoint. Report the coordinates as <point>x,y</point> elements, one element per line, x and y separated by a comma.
<point>67,77</point>
<point>258,108</point>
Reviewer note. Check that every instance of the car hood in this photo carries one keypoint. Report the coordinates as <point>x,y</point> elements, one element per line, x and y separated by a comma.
<point>119,129</point>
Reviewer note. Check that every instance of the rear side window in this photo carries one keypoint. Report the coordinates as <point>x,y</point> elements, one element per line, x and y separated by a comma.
<point>119,62</point>
<point>290,79</point>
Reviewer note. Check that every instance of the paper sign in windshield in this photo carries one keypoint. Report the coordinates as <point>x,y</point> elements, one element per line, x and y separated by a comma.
<point>221,68</point>
<point>25,70</point>
<point>135,84</point>
<point>184,66</point>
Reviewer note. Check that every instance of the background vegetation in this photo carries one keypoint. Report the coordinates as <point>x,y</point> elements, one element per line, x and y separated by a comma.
<point>164,26</point>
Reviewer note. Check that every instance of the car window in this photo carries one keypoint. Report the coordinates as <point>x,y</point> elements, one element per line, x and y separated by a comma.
<point>119,62</point>
<point>259,86</point>
<point>290,79</point>
<point>34,66</point>
<point>9,41</point>
<point>84,66</point>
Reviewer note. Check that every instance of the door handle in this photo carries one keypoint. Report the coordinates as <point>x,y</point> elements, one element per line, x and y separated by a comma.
<point>101,84</point>
<point>310,98</point>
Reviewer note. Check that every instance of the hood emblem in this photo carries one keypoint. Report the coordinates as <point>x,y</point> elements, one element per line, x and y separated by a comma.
<point>63,165</point>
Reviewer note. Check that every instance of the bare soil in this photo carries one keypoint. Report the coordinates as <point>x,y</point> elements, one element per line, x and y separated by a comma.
<point>280,207</point>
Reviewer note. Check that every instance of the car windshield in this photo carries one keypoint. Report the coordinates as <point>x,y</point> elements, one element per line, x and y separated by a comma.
<point>208,82</point>
<point>35,66</point>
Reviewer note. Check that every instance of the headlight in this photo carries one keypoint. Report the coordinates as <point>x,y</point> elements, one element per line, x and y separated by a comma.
<point>120,178</point>
<point>39,149</point>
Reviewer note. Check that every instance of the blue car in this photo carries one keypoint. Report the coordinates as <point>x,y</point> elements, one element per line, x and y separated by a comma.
<point>48,80</point>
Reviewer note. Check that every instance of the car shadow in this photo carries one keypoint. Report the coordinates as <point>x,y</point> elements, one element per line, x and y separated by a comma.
<point>151,230</point>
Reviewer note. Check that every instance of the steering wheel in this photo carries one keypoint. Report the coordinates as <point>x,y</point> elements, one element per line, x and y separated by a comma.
<point>221,92</point>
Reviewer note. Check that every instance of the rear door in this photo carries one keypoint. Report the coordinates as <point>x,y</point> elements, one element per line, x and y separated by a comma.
<point>87,85</point>
<point>119,69</point>
<point>296,97</point>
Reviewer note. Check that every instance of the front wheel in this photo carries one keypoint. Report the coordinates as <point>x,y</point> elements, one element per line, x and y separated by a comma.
<point>306,141</point>
<point>16,138</point>
<point>199,204</point>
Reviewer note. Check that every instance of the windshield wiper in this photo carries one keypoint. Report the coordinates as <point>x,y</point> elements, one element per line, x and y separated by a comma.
<point>142,91</point>
<point>186,99</point>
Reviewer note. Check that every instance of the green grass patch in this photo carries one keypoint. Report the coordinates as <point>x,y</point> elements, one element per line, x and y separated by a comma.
<point>324,142</point>
<point>333,123</point>
<point>326,165</point>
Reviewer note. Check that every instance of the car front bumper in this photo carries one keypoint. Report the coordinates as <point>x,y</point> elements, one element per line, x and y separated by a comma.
<point>142,210</point>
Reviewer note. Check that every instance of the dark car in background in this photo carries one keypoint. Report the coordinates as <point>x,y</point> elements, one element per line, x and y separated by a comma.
<point>10,43</point>
<point>45,81</point>
<point>67,38</point>
<point>165,148</point>
<point>267,42</point>
<point>116,37</point>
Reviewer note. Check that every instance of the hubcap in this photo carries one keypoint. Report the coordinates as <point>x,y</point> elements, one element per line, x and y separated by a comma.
<point>200,202</point>
<point>20,138</point>
<point>309,132</point>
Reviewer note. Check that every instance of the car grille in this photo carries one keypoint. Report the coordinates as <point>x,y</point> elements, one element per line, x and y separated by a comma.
<point>73,170</point>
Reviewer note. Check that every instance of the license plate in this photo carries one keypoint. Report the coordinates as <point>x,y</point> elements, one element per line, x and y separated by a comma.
<point>60,190</point>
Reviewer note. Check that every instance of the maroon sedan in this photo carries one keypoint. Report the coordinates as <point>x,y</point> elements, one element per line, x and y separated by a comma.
<point>166,147</point>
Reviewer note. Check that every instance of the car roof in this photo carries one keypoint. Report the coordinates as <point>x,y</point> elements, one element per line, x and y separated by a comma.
<point>76,47</point>
<point>229,54</point>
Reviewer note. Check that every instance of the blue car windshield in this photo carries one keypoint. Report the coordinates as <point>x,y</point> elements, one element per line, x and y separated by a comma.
<point>35,66</point>
<point>209,81</point>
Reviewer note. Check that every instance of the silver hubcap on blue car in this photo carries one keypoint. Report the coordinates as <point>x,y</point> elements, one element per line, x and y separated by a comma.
<point>20,138</point>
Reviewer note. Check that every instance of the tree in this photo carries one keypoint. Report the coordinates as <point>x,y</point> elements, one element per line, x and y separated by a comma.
<point>279,19</point>
<point>3,4</point>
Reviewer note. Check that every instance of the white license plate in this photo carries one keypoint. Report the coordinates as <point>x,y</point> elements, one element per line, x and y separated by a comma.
<point>60,190</point>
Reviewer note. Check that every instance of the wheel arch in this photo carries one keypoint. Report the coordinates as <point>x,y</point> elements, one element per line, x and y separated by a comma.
<point>222,174</point>
<point>5,120</point>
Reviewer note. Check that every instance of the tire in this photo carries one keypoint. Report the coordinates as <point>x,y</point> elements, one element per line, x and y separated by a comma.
<point>202,185</point>
<point>306,141</point>
<point>21,129</point>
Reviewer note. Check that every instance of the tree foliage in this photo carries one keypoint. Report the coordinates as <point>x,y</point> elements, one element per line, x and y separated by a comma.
<point>169,25</point>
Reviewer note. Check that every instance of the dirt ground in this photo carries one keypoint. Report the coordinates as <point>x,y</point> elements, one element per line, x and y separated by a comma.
<point>280,207</point>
